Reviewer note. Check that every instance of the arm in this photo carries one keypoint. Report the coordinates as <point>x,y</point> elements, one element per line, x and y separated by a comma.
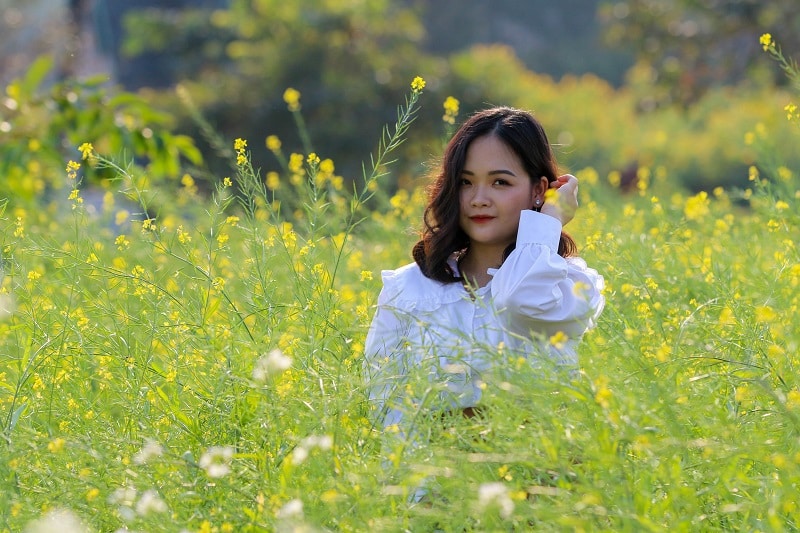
<point>383,362</point>
<point>538,290</point>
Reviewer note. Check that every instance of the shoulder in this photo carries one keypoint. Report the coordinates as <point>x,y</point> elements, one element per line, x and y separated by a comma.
<point>408,288</point>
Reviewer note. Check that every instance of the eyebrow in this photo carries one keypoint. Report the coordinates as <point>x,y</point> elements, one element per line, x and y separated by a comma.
<point>491,172</point>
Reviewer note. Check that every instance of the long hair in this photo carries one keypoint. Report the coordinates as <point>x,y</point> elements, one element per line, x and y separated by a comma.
<point>441,233</point>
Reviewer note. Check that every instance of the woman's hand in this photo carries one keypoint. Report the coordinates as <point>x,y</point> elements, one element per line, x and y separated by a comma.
<point>561,200</point>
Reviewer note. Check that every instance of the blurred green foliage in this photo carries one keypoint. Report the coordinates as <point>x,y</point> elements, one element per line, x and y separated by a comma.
<point>686,47</point>
<point>349,59</point>
<point>592,124</point>
<point>42,125</point>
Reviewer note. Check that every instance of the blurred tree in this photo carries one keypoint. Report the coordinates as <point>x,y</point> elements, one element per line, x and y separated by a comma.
<point>683,47</point>
<point>155,55</point>
<point>351,60</point>
<point>555,38</point>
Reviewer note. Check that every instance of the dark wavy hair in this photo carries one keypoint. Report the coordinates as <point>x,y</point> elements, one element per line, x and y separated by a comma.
<point>441,233</point>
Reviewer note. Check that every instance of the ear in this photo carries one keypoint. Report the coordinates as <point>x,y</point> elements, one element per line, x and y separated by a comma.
<point>538,190</point>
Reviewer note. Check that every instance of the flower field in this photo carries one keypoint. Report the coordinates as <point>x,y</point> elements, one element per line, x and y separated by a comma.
<point>198,367</point>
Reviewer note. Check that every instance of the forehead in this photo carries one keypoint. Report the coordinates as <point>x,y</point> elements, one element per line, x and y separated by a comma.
<point>490,153</point>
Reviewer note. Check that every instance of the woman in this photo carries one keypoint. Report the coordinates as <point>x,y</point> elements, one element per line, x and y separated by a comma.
<point>492,272</point>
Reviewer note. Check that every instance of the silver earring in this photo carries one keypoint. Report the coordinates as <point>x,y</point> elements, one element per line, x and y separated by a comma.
<point>538,202</point>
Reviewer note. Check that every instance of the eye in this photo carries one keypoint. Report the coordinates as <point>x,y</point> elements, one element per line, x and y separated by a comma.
<point>501,181</point>
<point>465,182</point>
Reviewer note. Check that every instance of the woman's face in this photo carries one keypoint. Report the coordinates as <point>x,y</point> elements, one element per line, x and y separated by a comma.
<point>495,188</point>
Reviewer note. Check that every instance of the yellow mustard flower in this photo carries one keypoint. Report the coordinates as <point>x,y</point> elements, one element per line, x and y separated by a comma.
<point>56,445</point>
<point>417,84</point>
<point>696,206</point>
<point>86,150</point>
<point>296,163</point>
<point>273,143</point>
<point>273,181</point>
<point>450,110</point>
<point>766,41</point>
<point>791,111</point>
<point>292,98</point>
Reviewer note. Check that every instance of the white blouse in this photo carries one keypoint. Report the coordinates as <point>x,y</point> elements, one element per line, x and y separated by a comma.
<point>455,334</point>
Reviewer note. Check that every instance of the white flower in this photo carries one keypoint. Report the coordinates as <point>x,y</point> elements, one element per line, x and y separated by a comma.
<point>300,453</point>
<point>123,496</point>
<point>292,509</point>
<point>7,305</point>
<point>57,521</point>
<point>217,461</point>
<point>495,494</point>
<point>274,363</point>
<point>150,449</point>
<point>150,502</point>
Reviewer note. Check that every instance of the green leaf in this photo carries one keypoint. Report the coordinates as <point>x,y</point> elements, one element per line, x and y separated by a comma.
<point>36,74</point>
<point>15,416</point>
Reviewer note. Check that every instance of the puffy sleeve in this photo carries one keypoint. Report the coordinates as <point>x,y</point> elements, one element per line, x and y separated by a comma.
<point>536,291</point>
<point>384,361</point>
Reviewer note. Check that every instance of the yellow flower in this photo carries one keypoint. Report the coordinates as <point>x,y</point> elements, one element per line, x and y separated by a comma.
<point>273,143</point>
<point>86,150</point>
<point>766,41</point>
<point>296,163</point>
<point>239,144</point>
<point>227,182</point>
<point>366,275</point>
<point>559,340</point>
<point>72,167</point>
<point>56,445</point>
<point>292,98</point>
<point>313,159</point>
<point>696,206</point>
<point>793,399</point>
<point>273,180</point>
<point>791,111</point>
<point>122,242</point>
<point>417,84</point>
<point>450,110</point>
<point>326,166</point>
<point>765,314</point>
<point>603,394</point>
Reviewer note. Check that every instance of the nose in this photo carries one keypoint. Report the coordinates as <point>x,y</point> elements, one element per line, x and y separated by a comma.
<point>480,197</point>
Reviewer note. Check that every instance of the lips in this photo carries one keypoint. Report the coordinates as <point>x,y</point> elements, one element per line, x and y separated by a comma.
<point>480,219</point>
